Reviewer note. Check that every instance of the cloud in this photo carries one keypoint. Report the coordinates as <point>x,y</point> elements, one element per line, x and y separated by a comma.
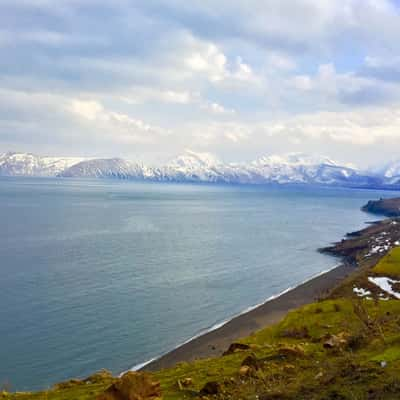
<point>280,25</point>
<point>330,88</point>
<point>90,110</point>
<point>233,77</point>
<point>281,62</point>
<point>384,69</point>
<point>123,127</point>
<point>302,82</point>
<point>138,95</point>
<point>360,128</point>
<point>206,58</point>
<point>357,127</point>
<point>217,108</point>
<point>80,121</point>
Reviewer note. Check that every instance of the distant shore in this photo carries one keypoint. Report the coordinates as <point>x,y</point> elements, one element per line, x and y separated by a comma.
<point>388,207</point>
<point>215,342</point>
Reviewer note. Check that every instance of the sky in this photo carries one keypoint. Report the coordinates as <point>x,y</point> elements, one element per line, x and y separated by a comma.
<point>148,79</point>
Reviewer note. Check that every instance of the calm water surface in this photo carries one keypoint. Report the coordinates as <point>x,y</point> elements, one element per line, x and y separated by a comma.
<point>108,274</point>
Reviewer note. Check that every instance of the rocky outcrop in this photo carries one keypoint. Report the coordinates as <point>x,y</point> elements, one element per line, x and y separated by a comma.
<point>133,386</point>
<point>210,388</point>
<point>102,376</point>
<point>369,243</point>
<point>235,347</point>
<point>339,341</point>
<point>387,207</point>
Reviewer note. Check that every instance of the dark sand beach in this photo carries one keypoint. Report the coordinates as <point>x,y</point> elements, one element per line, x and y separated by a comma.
<point>214,343</point>
<point>355,252</point>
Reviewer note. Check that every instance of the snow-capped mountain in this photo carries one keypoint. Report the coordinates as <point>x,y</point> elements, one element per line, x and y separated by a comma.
<point>301,168</point>
<point>26,164</point>
<point>391,172</point>
<point>294,168</point>
<point>108,168</point>
<point>204,167</point>
<point>194,167</point>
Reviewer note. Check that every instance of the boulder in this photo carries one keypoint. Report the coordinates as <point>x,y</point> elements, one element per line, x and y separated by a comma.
<point>339,341</point>
<point>99,377</point>
<point>133,386</point>
<point>184,383</point>
<point>319,375</point>
<point>245,370</point>
<point>210,388</point>
<point>289,369</point>
<point>252,362</point>
<point>235,347</point>
<point>291,352</point>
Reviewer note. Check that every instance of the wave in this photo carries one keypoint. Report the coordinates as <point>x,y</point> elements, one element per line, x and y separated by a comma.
<point>218,325</point>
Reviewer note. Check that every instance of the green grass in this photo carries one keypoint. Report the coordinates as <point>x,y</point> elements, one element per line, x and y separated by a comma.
<point>71,390</point>
<point>78,392</point>
<point>389,355</point>
<point>318,372</point>
<point>389,265</point>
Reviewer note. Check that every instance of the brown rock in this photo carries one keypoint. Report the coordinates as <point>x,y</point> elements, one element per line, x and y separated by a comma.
<point>289,368</point>
<point>319,375</point>
<point>252,362</point>
<point>245,370</point>
<point>184,383</point>
<point>133,386</point>
<point>99,377</point>
<point>339,341</point>
<point>187,382</point>
<point>210,388</point>
<point>291,352</point>
<point>331,343</point>
<point>235,347</point>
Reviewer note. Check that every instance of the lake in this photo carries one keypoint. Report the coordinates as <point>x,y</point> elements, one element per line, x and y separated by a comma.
<point>109,274</point>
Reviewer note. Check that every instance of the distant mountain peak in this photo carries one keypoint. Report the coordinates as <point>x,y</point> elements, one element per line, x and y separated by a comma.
<point>296,159</point>
<point>192,166</point>
<point>28,164</point>
<point>192,158</point>
<point>392,169</point>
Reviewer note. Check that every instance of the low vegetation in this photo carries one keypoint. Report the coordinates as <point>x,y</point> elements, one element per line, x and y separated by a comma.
<point>389,265</point>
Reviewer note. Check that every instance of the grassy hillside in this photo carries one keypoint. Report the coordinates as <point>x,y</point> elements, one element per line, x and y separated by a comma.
<point>389,265</point>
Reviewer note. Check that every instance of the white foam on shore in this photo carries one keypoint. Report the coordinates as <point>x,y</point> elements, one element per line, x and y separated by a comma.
<point>218,325</point>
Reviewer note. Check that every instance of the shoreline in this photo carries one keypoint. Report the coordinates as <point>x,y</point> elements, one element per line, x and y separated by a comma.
<point>356,254</point>
<point>357,251</point>
<point>217,339</point>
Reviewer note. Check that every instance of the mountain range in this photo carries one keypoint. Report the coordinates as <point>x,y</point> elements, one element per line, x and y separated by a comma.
<point>293,168</point>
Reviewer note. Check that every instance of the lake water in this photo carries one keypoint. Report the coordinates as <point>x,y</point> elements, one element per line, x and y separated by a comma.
<point>108,274</point>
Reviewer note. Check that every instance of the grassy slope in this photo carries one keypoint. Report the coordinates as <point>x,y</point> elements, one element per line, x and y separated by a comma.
<point>308,370</point>
<point>389,265</point>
